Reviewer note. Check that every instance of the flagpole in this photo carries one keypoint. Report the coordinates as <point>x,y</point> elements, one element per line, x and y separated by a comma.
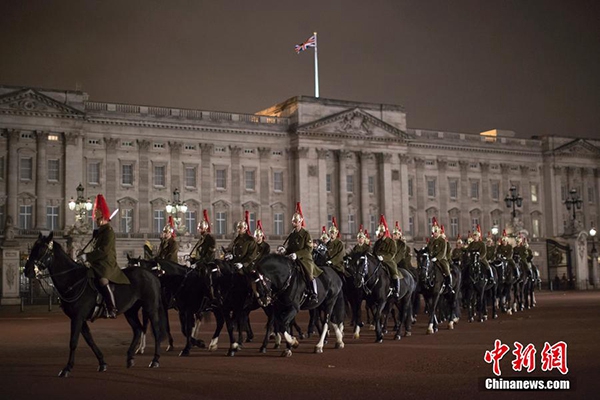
<point>316,68</point>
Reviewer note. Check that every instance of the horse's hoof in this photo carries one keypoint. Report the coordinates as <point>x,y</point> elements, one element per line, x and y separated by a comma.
<point>130,363</point>
<point>286,353</point>
<point>249,340</point>
<point>356,336</point>
<point>384,331</point>
<point>495,316</point>
<point>361,324</point>
<point>102,367</point>
<point>380,340</point>
<point>263,350</point>
<point>302,336</point>
<point>407,334</point>
<point>371,327</point>
<point>397,337</point>
<point>153,364</point>
<point>65,373</point>
<point>231,353</point>
<point>429,331</point>
<point>340,345</point>
<point>198,343</point>
<point>295,343</point>
<point>451,325</point>
<point>318,350</point>
<point>509,312</point>
<point>276,346</point>
<point>184,353</point>
<point>169,348</point>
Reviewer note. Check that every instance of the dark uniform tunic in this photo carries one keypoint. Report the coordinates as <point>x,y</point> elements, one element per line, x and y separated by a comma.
<point>335,254</point>
<point>457,254</point>
<point>523,252</point>
<point>506,250</point>
<point>360,250</point>
<point>263,249</point>
<point>205,249</point>
<point>386,248</point>
<point>243,249</point>
<point>490,252</point>
<point>437,249</point>
<point>168,250</point>
<point>103,257</point>
<point>300,242</point>
<point>479,246</point>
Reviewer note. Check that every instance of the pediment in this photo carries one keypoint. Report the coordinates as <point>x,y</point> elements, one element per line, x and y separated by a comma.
<point>354,123</point>
<point>32,102</point>
<point>578,148</point>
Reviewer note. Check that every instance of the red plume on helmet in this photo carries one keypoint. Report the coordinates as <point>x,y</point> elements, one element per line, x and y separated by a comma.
<point>100,205</point>
<point>334,223</point>
<point>259,228</point>
<point>324,230</point>
<point>361,228</point>
<point>247,220</point>
<point>299,211</point>
<point>205,213</point>
<point>172,225</point>
<point>383,222</point>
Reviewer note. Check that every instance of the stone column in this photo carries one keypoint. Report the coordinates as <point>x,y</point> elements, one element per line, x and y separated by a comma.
<point>485,196</point>
<point>301,184</point>
<point>322,190</point>
<point>420,186</point>
<point>145,216</point>
<point>176,166</point>
<point>464,201</point>
<point>206,182</point>
<point>12,173</point>
<point>443,190</point>
<point>557,210</point>
<point>112,173</point>
<point>265,188</point>
<point>342,207</point>
<point>9,269</point>
<point>526,194</point>
<point>405,210</point>
<point>236,184</point>
<point>41,180</point>
<point>387,206</point>
<point>73,155</point>
<point>594,279</point>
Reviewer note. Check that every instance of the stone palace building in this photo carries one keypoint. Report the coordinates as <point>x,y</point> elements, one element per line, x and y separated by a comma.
<point>347,159</point>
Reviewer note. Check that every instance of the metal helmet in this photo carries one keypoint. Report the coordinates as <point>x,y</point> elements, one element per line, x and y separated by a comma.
<point>397,230</point>
<point>205,223</point>
<point>333,229</point>
<point>324,236</point>
<point>434,226</point>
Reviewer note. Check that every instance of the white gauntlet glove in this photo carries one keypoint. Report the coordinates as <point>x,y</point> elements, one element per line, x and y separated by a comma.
<point>293,256</point>
<point>238,265</point>
<point>380,258</point>
<point>434,259</point>
<point>281,250</point>
<point>228,257</point>
<point>82,257</point>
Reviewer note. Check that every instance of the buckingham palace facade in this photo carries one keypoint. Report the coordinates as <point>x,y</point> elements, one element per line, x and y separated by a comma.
<point>347,159</point>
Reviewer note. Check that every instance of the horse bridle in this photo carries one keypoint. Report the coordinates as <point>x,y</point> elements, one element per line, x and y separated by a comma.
<point>364,272</point>
<point>49,254</point>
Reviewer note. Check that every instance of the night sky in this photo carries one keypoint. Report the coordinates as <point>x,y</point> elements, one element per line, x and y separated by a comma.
<point>531,66</point>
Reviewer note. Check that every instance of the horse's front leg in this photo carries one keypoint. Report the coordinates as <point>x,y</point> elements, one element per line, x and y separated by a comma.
<point>186,318</point>
<point>432,327</point>
<point>378,309</point>
<point>231,320</point>
<point>87,335</point>
<point>270,321</point>
<point>214,341</point>
<point>325,327</point>
<point>76,326</point>
<point>284,323</point>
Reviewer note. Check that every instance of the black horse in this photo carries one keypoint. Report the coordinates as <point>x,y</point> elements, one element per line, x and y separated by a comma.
<point>74,285</point>
<point>529,287</point>
<point>369,274</point>
<point>432,287</point>
<point>506,278</point>
<point>520,286</point>
<point>479,288</point>
<point>280,282</point>
<point>183,288</point>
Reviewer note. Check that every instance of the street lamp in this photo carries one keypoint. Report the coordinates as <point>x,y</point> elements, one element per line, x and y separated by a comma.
<point>495,232</point>
<point>574,202</point>
<point>81,206</point>
<point>593,235</point>
<point>513,200</point>
<point>175,208</point>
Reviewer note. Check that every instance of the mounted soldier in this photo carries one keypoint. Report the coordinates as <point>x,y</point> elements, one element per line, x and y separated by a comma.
<point>437,251</point>
<point>479,246</point>
<point>457,251</point>
<point>204,250</point>
<point>262,247</point>
<point>299,248</point>
<point>402,257</point>
<point>490,248</point>
<point>361,247</point>
<point>448,247</point>
<point>243,250</point>
<point>505,249</point>
<point>103,256</point>
<point>168,245</point>
<point>385,250</point>
<point>335,249</point>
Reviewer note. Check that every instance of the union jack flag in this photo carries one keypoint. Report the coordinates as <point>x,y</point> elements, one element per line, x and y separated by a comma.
<point>310,42</point>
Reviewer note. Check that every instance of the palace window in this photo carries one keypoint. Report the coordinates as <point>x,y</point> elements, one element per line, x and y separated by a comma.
<point>25,217</point>
<point>160,175</point>
<point>250,176</point>
<point>93,171</point>
<point>453,186</point>
<point>328,183</point>
<point>371,184</point>
<point>278,223</point>
<point>190,177</point>
<point>350,183</point>
<point>431,187</point>
<point>53,170</point>
<point>191,223</point>
<point>127,220</point>
<point>278,181</point>
<point>159,220</point>
<point>495,190</point>
<point>127,174</point>
<point>221,178</point>
<point>26,168</point>
<point>221,222</point>
<point>52,218</point>
<point>475,190</point>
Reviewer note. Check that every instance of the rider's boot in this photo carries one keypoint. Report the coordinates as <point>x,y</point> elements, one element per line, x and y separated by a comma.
<point>448,282</point>
<point>492,277</point>
<point>109,299</point>
<point>312,289</point>
<point>396,288</point>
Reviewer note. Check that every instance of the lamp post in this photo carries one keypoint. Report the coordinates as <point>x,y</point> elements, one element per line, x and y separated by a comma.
<point>175,208</point>
<point>593,235</point>
<point>574,202</point>
<point>80,206</point>
<point>513,200</point>
<point>495,232</point>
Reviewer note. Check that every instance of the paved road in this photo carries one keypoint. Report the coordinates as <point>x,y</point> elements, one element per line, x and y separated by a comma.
<point>449,364</point>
